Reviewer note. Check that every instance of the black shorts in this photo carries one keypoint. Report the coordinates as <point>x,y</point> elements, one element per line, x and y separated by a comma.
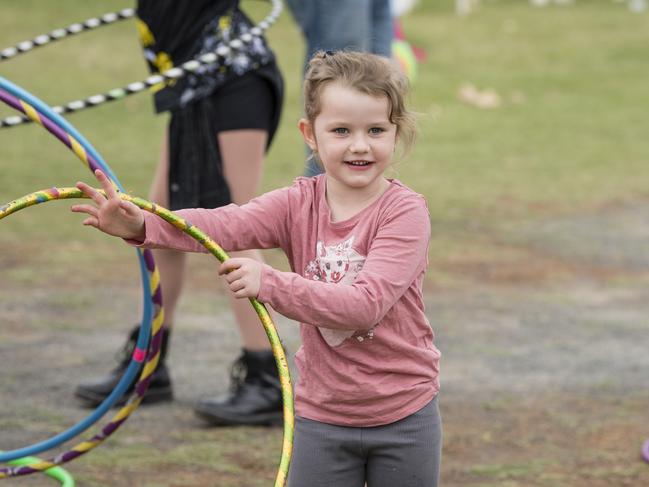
<point>246,103</point>
<point>252,101</point>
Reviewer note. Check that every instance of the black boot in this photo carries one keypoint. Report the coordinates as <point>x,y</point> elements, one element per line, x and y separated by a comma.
<point>255,396</point>
<point>93,393</point>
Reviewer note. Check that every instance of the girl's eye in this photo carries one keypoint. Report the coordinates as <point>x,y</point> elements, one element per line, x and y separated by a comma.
<point>376,130</point>
<point>340,130</point>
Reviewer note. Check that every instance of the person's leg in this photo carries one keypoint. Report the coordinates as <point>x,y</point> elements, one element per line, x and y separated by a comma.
<point>255,396</point>
<point>242,153</point>
<point>326,455</point>
<point>361,25</point>
<point>303,12</point>
<point>312,166</point>
<point>406,453</point>
<point>382,29</point>
<point>342,25</point>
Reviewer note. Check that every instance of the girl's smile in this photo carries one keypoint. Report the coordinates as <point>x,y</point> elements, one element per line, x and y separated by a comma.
<point>359,164</point>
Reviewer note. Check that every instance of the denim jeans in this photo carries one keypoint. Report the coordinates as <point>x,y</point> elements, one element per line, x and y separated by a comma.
<point>357,25</point>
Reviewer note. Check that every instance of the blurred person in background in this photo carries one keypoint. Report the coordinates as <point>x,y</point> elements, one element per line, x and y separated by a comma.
<point>222,121</point>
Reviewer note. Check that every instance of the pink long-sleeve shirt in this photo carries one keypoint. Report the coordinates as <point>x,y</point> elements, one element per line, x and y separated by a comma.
<point>367,356</point>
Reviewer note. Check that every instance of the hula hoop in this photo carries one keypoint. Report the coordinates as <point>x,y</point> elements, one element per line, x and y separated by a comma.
<point>168,75</point>
<point>150,328</point>
<point>56,473</point>
<point>645,451</point>
<point>213,248</point>
<point>70,30</point>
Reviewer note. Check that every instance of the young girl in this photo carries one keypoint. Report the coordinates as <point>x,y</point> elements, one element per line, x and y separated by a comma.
<point>357,243</point>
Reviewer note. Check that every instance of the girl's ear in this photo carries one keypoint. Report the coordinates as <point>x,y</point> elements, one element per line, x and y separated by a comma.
<point>306,129</point>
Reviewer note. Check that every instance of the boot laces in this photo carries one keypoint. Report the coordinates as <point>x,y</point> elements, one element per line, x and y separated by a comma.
<point>124,355</point>
<point>238,374</point>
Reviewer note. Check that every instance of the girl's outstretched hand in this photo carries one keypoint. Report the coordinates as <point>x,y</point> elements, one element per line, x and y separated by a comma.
<point>111,214</point>
<point>243,276</point>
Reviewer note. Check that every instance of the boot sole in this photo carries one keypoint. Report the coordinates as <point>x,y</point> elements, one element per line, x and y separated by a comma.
<point>150,397</point>
<point>266,419</point>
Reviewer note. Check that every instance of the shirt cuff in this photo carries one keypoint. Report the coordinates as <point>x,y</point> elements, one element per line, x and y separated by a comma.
<point>266,284</point>
<point>139,243</point>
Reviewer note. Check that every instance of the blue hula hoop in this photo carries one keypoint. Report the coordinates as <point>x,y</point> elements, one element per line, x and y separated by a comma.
<point>145,327</point>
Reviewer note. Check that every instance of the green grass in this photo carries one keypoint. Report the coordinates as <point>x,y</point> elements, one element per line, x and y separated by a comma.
<point>569,136</point>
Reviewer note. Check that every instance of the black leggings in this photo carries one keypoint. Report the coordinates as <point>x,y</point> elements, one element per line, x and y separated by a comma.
<point>406,453</point>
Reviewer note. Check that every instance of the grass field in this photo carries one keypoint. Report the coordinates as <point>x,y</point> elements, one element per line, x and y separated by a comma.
<point>568,136</point>
<point>538,207</point>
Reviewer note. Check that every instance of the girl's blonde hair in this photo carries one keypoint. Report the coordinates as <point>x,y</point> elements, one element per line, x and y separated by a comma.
<point>368,73</point>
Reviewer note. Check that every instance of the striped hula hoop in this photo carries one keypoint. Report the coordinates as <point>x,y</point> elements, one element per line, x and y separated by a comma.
<point>150,335</point>
<point>70,30</point>
<point>171,74</point>
<point>59,474</point>
<point>213,248</point>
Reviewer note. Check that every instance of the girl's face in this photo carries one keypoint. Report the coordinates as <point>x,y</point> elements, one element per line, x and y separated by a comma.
<point>352,136</point>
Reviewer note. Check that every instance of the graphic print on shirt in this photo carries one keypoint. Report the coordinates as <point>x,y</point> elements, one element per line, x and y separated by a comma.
<point>339,263</point>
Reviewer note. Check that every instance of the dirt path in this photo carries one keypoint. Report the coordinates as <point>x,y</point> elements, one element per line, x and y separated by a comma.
<point>544,368</point>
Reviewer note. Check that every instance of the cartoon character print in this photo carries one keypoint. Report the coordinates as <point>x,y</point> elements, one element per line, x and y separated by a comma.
<point>338,263</point>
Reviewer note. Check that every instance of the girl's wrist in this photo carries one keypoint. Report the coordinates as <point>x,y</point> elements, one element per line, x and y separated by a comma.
<point>138,235</point>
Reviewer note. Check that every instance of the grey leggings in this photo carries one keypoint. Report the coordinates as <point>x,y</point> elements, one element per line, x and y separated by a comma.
<point>406,453</point>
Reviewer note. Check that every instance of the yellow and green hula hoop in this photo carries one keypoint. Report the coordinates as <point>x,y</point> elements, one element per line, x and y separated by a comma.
<point>213,248</point>
<point>38,112</point>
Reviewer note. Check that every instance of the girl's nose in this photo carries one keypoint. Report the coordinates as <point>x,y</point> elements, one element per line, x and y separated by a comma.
<point>359,144</point>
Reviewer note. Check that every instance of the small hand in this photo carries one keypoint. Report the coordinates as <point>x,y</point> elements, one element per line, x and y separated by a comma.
<point>111,214</point>
<point>243,276</point>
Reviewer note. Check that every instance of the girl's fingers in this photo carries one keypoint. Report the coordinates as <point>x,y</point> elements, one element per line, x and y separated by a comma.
<point>242,293</point>
<point>130,208</point>
<point>89,209</point>
<point>229,265</point>
<point>92,222</point>
<point>106,184</point>
<point>233,275</point>
<point>91,192</point>
<point>236,286</point>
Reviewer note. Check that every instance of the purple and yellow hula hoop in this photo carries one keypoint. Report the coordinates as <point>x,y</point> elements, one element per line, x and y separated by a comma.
<point>146,352</point>
<point>213,248</point>
<point>79,148</point>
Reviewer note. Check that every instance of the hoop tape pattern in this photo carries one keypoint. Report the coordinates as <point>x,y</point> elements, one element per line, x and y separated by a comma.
<point>57,473</point>
<point>21,100</point>
<point>213,248</point>
<point>168,75</point>
<point>70,30</point>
